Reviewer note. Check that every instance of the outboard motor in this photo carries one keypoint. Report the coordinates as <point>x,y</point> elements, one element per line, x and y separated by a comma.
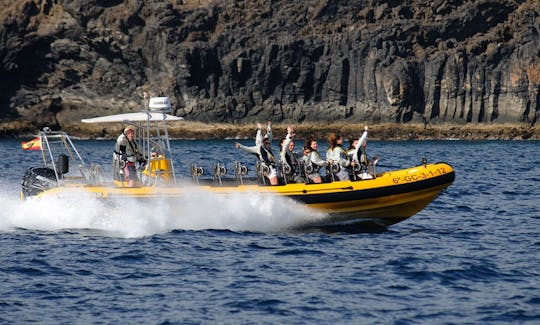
<point>37,180</point>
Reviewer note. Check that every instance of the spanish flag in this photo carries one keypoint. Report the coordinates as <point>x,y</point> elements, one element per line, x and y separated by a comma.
<point>34,144</point>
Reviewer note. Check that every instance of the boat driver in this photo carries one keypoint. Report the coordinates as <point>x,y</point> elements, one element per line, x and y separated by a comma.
<point>126,156</point>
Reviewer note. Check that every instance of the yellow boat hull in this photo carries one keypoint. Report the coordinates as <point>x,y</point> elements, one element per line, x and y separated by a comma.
<point>391,197</point>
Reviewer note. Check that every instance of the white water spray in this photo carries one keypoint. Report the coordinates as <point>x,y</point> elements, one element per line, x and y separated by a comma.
<point>198,210</point>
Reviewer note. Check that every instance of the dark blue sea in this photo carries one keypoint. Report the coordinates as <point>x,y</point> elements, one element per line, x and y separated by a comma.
<point>471,257</point>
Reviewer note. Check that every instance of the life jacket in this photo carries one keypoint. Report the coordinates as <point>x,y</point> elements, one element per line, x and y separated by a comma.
<point>310,167</point>
<point>342,154</point>
<point>341,150</point>
<point>267,156</point>
<point>133,147</point>
<point>122,146</point>
<point>291,160</point>
<point>362,156</point>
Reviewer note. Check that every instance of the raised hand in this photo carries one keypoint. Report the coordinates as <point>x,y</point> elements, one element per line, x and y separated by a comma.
<point>290,130</point>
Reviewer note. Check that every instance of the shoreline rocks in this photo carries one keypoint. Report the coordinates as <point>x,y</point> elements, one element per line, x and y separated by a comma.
<point>394,132</point>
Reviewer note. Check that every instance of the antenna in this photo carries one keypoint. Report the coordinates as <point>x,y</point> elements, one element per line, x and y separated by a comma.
<point>145,100</point>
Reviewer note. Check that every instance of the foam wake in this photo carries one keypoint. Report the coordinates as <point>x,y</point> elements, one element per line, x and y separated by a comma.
<point>135,218</point>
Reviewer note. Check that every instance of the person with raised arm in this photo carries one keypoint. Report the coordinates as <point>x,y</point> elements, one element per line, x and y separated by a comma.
<point>289,159</point>
<point>263,151</point>
<point>357,152</point>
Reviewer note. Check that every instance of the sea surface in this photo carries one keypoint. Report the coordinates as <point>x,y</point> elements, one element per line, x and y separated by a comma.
<point>471,257</point>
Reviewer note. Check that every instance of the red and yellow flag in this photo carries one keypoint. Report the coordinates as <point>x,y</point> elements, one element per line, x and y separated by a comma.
<point>34,144</point>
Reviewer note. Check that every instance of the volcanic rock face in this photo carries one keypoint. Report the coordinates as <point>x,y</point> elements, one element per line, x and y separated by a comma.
<point>240,61</point>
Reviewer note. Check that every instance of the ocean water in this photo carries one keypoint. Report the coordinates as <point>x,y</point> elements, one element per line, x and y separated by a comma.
<point>471,257</point>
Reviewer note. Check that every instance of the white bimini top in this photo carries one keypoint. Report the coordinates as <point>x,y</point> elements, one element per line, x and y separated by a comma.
<point>133,117</point>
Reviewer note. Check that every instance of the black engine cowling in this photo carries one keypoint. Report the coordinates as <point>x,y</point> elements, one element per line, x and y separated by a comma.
<point>37,180</point>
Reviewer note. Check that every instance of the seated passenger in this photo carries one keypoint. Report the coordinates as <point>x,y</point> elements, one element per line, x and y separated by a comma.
<point>312,161</point>
<point>338,156</point>
<point>357,152</point>
<point>255,150</point>
<point>289,160</point>
<point>263,151</point>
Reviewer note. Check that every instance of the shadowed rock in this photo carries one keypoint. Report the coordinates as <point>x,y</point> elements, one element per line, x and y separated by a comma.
<point>229,61</point>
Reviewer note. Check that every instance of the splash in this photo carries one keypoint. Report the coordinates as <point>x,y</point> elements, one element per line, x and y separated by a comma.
<point>123,217</point>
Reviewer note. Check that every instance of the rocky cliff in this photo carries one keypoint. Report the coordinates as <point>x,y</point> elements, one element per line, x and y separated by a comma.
<point>239,61</point>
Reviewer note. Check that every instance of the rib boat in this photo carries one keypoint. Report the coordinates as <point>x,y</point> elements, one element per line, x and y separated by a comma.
<point>380,198</point>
